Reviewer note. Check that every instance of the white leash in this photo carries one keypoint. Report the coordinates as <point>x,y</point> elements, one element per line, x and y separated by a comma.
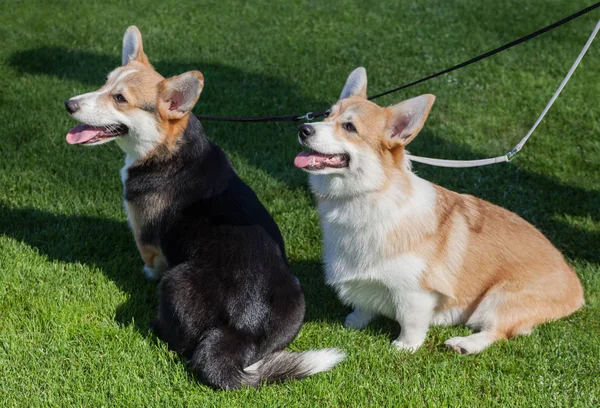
<point>510,155</point>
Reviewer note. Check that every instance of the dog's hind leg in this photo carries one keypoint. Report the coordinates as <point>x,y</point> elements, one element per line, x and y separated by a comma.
<point>484,318</point>
<point>472,344</point>
<point>508,310</point>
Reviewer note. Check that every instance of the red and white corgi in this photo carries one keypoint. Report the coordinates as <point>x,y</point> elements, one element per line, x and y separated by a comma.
<point>399,246</point>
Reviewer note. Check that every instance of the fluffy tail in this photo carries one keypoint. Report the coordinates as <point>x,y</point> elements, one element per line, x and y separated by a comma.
<point>284,365</point>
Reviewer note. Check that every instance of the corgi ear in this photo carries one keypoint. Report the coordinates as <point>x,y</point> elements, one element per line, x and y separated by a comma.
<point>407,119</point>
<point>356,84</point>
<point>132,46</point>
<point>179,94</point>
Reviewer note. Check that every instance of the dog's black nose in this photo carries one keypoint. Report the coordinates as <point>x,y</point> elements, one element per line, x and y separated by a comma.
<point>305,131</point>
<point>71,106</point>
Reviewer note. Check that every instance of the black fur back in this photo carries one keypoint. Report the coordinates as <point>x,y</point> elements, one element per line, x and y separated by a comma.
<point>228,298</point>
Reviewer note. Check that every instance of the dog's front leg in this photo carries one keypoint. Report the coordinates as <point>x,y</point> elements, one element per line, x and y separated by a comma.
<point>155,272</point>
<point>154,264</point>
<point>414,312</point>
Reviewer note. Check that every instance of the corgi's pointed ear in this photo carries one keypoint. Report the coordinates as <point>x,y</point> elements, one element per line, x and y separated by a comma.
<point>407,119</point>
<point>356,84</point>
<point>179,94</point>
<point>132,46</point>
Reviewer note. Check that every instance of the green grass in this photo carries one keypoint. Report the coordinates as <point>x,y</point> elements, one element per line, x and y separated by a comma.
<point>74,305</point>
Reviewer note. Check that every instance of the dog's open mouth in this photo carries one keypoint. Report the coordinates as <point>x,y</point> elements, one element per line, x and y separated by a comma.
<point>86,134</point>
<point>317,161</point>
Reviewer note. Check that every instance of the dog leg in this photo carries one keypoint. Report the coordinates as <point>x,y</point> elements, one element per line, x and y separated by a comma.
<point>151,273</point>
<point>358,319</point>
<point>154,273</point>
<point>414,313</point>
<point>472,344</point>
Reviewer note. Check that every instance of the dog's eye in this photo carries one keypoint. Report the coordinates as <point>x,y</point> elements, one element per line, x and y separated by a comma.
<point>327,113</point>
<point>119,98</point>
<point>349,127</point>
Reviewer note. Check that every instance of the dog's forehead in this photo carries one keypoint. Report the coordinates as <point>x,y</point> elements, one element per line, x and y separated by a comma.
<point>351,108</point>
<point>351,111</point>
<point>356,105</point>
<point>133,74</point>
<point>117,77</point>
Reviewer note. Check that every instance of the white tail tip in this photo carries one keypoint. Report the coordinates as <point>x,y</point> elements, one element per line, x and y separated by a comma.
<point>316,361</point>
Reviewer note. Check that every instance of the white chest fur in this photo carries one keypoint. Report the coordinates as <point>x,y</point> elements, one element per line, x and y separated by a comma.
<point>368,245</point>
<point>124,175</point>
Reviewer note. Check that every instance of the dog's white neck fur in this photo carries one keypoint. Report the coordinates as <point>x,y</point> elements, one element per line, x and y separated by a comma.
<point>357,228</point>
<point>124,170</point>
<point>136,147</point>
<point>143,136</point>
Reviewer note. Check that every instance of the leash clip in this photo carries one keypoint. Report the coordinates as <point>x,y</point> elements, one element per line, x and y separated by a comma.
<point>309,116</point>
<point>511,155</point>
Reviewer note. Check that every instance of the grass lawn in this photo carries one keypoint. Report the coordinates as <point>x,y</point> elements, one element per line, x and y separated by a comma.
<point>74,304</point>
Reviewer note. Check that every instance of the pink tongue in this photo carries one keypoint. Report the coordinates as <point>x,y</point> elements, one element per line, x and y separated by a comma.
<point>82,133</point>
<point>304,159</point>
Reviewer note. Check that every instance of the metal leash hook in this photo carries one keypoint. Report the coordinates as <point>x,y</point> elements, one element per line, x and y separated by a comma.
<point>308,117</point>
<point>511,155</point>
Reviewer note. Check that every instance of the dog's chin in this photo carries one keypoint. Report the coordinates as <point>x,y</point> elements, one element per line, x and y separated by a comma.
<point>327,170</point>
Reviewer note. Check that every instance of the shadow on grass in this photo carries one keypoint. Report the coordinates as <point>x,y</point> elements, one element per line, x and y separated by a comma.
<point>108,245</point>
<point>96,242</point>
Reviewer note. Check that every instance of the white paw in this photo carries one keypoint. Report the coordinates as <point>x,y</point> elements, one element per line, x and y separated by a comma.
<point>356,320</point>
<point>151,273</point>
<point>472,344</point>
<point>411,347</point>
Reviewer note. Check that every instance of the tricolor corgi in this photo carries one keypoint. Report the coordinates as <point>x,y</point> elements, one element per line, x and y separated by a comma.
<point>228,301</point>
<point>399,246</point>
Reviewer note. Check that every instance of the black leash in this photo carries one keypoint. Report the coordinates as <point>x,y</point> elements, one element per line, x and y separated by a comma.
<point>285,118</point>
<point>310,115</point>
